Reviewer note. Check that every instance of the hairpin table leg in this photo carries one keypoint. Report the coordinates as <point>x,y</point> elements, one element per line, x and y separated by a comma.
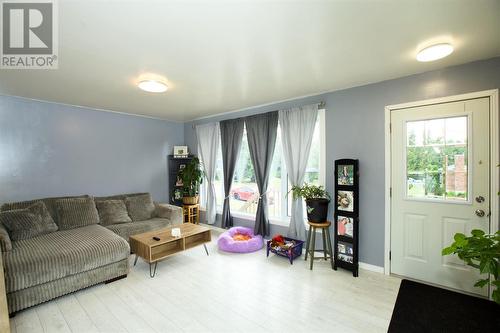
<point>154,271</point>
<point>206,250</point>
<point>135,261</point>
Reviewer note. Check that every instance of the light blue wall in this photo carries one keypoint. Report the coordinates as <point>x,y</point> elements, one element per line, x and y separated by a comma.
<point>355,129</point>
<point>49,149</point>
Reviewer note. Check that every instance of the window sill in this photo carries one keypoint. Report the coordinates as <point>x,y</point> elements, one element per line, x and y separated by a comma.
<point>273,221</point>
<point>250,217</point>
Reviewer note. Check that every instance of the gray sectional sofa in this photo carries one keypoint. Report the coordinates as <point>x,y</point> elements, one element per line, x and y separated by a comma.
<point>54,246</point>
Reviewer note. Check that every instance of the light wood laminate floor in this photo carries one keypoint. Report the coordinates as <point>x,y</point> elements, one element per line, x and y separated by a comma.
<point>223,293</point>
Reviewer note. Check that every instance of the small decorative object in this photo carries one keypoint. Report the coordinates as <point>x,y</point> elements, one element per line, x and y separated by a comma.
<point>240,240</point>
<point>176,232</point>
<point>192,177</point>
<point>285,247</point>
<point>178,182</point>
<point>345,201</point>
<point>317,201</point>
<point>347,215</point>
<point>180,151</point>
<point>177,194</point>
<point>481,251</point>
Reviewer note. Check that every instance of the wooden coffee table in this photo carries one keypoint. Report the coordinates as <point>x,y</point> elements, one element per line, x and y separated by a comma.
<point>144,246</point>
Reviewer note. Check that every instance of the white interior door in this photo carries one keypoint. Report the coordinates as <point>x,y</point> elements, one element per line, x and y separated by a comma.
<point>440,178</point>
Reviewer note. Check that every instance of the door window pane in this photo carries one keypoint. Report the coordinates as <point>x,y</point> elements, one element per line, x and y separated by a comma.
<point>436,159</point>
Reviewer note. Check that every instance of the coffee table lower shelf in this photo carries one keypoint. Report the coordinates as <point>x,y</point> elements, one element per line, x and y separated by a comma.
<point>152,251</point>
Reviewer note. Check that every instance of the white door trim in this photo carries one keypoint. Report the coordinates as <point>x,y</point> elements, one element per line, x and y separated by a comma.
<point>494,160</point>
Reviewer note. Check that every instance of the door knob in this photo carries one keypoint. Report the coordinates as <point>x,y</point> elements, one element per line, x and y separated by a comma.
<point>480,212</point>
<point>479,199</point>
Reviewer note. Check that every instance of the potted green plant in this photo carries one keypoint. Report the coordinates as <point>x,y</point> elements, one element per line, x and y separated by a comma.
<point>481,251</point>
<point>317,201</point>
<point>192,178</point>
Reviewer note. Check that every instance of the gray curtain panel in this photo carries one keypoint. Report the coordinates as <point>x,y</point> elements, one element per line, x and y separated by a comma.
<point>297,130</point>
<point>231,133</point>
<point>262,130</point>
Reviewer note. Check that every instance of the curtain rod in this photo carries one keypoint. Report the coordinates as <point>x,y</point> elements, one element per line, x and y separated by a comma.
<point>321,105</point>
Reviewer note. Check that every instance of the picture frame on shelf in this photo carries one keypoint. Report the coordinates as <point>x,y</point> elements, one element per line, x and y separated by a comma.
<point>345,201</point>
<point>345,175</point>
<point>345,226</point>
<point>181,151</point>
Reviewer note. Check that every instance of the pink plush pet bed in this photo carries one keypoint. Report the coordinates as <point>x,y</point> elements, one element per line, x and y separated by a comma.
<point>240,240</point>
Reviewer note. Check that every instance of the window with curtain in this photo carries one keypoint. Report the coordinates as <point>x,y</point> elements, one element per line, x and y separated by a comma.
<point>244,194</point>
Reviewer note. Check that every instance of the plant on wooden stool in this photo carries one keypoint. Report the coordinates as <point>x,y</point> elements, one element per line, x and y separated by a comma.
<point>192,178</point>
<point>317,200</point>
<point>481,251</point>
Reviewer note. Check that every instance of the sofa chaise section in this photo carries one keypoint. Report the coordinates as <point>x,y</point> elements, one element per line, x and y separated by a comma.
<point>51,265</point>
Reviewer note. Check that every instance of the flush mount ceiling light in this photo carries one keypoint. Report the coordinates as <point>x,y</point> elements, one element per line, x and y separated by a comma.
<point>153,86</point>
<point>434,52</point>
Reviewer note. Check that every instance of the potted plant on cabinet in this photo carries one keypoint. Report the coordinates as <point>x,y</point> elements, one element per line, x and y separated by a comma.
<point>192,177</point>
<point>317,201</point>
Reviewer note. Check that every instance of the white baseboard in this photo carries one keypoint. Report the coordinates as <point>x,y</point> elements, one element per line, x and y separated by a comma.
<point>370,267</point>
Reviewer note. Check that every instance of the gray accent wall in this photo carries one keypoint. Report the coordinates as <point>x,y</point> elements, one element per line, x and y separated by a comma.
<point>355,129</point>
<point>49,149</point>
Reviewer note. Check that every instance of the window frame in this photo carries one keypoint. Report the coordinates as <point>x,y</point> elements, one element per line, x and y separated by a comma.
<point>470,164</point>
<point>284,218</point>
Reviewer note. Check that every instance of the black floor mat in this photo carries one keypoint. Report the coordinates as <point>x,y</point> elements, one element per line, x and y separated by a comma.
<point>422,308</point>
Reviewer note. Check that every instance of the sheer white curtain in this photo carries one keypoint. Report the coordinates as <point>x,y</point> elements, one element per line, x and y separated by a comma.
<point>297,129</point>
<point>208,145</point>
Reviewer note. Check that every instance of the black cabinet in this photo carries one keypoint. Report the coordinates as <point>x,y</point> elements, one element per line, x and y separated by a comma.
<point>174,165</point>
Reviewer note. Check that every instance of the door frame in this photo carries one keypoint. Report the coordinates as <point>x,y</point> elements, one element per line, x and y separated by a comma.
<point>494,159</point>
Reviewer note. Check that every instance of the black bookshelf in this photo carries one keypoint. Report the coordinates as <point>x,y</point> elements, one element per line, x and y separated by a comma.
<point>174,165</point>
<point>346,217</point>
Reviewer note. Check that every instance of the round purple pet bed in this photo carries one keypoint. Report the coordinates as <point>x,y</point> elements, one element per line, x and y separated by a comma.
<point>240,240</point>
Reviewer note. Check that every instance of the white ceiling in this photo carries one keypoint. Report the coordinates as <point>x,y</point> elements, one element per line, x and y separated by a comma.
<point>219,56</point>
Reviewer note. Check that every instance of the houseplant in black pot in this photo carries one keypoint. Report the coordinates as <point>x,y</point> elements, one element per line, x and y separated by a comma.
<point>192,177</point>
<point>317,201</point>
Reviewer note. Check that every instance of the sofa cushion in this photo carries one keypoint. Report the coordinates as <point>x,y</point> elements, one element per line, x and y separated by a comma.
<point>171,212</point>
<point>28,222</point>
<point>112,211</point>
<point>50,204</point>
<point>126,230</point>
<point>60,254</point>
<point>140,207</point>
<point>76,213</point>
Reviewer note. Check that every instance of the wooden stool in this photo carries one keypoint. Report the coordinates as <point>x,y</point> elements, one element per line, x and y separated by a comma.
<point>191,213</point>
<point>327,243</point>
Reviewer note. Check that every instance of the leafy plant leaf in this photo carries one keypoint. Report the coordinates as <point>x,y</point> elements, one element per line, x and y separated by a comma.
<point>448,250</point>
<point>481,283</point>
<point>477,233</point>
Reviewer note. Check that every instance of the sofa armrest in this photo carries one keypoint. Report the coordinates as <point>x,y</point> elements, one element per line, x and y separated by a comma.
<point>171,212</point>
<point>5,243</point>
